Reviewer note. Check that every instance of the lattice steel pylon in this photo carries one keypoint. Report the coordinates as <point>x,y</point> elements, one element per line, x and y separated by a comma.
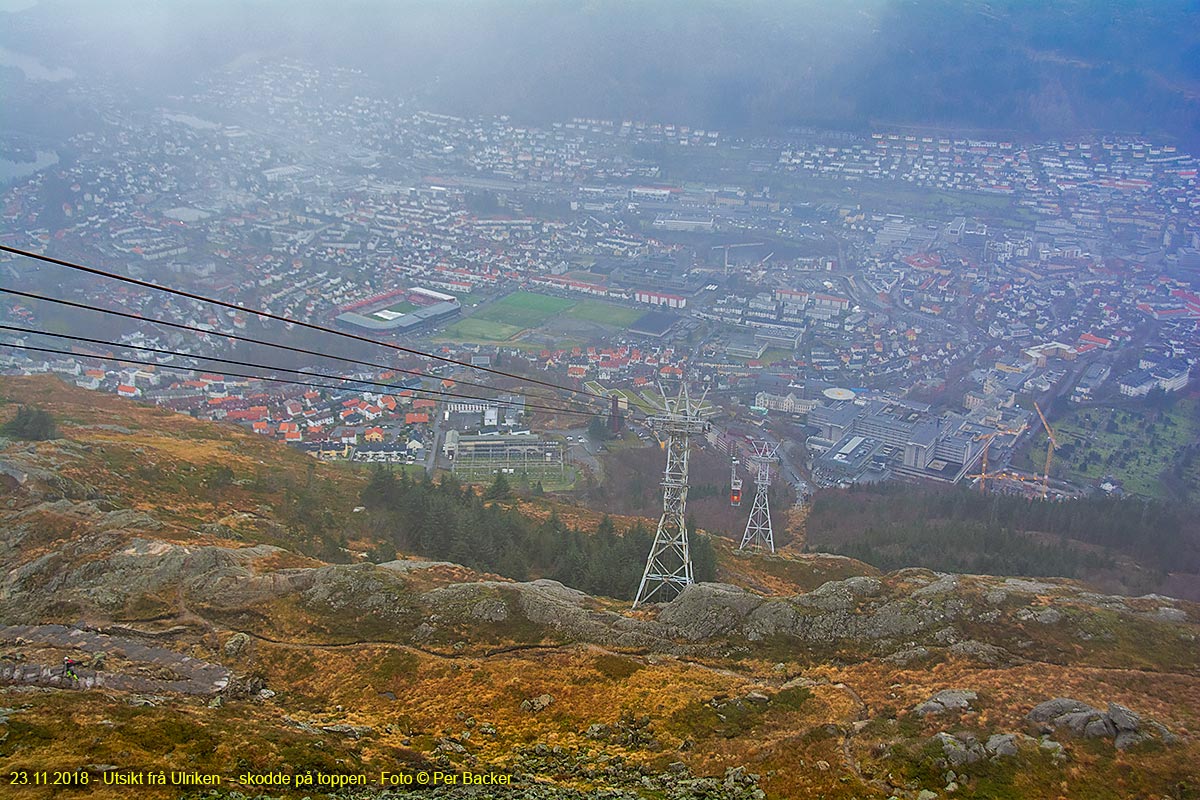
<point>669,565</point>
<point>758,527</point>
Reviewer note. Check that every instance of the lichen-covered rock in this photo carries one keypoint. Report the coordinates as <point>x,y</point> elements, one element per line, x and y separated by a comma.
<point>490,609</point>
<point>1123,719</point>
<point>1124,726</point>
<point>944,584</point>
<point>598,731</point>
<point>985,653</point>
<point>1000,745</point>
<point>947,700</point>
<point>537,704</point>
<point>1055,749</point>
<point>907,655</point>
<point>961,749</point>
<point>236,644</point>
<point>705,610</point>
<point>1127,739</point>
<point>1058,707</point>
<point>1098,726</point>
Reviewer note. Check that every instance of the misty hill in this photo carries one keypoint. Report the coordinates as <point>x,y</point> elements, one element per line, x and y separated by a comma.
<point>1025,68</point>
<point>217,631</point>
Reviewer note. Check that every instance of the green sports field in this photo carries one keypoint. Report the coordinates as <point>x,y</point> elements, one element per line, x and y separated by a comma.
<point>402,307</point>
<point>604,313</point>
<point>504,319</point>
<point>474,329</point>
<point>524,309</point>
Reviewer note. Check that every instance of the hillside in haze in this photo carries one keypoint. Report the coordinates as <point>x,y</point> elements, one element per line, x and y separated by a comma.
<point>1026,69</point>
<point>214,587</point>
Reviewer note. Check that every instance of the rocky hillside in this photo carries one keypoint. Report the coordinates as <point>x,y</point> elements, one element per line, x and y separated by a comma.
<point>233,625</point>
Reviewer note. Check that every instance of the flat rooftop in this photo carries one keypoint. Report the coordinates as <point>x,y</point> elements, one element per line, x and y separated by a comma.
<point>654,323</point>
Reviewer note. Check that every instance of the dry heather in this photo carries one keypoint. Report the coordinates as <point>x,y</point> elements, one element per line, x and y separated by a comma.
<point>798,676</point>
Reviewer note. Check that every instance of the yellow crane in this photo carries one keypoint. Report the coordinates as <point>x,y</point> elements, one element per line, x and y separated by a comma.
<point>987,438</point>
<point>1016,477</point>
<point>1051,446</point>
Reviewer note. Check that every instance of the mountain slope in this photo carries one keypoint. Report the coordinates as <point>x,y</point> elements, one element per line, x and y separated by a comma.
<point>229,645</point>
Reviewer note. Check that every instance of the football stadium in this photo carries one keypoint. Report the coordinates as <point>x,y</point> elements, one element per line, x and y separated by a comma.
<point>399,311</point>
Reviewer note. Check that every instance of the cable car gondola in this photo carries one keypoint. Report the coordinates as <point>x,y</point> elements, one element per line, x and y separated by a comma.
<point>735,485</point>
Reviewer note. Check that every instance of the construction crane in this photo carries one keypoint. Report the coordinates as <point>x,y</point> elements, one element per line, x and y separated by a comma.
<point>728,247</point>
<point>758,267</point>
<point>987,438</point>
<point>1016,477</point>
<point>1051,446</point>
<point>983,474</point>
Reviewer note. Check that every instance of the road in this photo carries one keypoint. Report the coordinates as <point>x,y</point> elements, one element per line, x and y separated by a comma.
<point>435,445</point>
<point>583,451</point>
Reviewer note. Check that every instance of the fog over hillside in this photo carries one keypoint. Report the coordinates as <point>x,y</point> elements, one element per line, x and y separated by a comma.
<point>755,66</point>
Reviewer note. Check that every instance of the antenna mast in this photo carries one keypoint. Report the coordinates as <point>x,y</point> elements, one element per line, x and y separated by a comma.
<point>669,566</point>
<point>758,527</point>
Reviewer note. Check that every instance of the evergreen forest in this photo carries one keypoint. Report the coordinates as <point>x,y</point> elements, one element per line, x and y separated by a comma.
<point>449,520</point>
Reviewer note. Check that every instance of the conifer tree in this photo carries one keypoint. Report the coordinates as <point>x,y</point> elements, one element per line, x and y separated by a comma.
<point>31,424</point>
<point>500,488</point>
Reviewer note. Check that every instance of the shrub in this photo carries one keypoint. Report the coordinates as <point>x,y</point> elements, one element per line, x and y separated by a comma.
<point>31,424</point>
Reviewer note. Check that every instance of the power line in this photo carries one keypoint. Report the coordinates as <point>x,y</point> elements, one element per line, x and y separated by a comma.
<point>235,362</point>
<point>121,360</point>
<point>311,326</point>
<point>251,340</point>
<point>141,362</point>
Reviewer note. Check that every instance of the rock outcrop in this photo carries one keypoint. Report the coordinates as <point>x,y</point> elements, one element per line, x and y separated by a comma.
<point>1122,725</point>
<point>947,700</point>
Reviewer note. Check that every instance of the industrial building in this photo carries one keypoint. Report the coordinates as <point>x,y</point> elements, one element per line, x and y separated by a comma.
<point>481,456</point>
<point>1093,378</point>
<point>873,439</point>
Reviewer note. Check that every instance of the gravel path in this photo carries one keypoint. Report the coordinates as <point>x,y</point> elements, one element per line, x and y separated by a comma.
<point>195,677</point>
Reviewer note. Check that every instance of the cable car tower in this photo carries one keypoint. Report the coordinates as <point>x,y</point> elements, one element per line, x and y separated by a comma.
<point>735,484</point>
<point>669,566</point>
<point>758,527</point>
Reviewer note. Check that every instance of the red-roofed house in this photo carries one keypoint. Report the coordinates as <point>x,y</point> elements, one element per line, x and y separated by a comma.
<point>1098,341</point>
